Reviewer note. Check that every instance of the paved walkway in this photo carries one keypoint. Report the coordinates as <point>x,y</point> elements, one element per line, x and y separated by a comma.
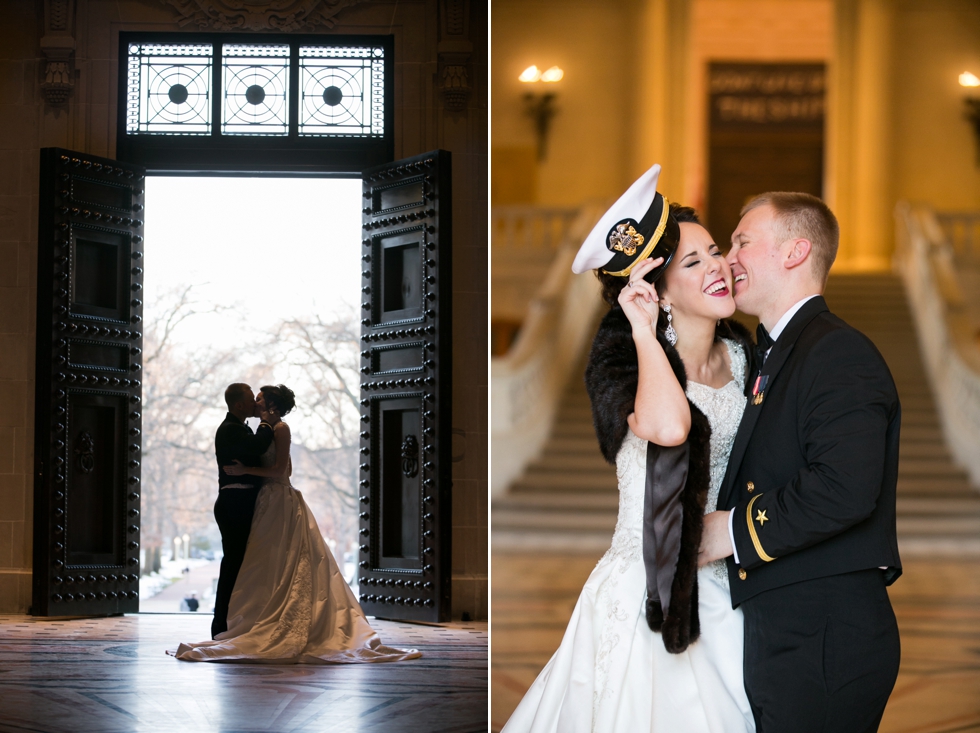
<point>199,580</point>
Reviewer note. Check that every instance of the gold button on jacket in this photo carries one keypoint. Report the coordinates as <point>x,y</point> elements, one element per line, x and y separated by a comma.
<point>750,486</point>
<point>742,574</point>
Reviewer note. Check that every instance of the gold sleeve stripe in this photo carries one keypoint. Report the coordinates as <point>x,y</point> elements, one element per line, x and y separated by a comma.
<point>752,533</point>
<point>650,245</point>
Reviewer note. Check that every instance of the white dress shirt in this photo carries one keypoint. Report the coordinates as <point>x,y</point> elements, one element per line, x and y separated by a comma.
<point>773,334</point>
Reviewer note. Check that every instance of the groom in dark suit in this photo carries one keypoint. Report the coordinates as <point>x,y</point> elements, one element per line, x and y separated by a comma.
<point>807,517</point>
<point>236,494</point>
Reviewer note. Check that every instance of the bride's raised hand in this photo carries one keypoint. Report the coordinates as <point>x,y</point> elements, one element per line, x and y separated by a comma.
<point>235,469</point>
<point>270,416</point>
<point>638,298</point>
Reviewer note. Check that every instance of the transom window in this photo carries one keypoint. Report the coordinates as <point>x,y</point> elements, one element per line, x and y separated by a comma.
<point>169,89</point>
<point>287,89</point>
<point>342,91</point>
<point>255,82</point>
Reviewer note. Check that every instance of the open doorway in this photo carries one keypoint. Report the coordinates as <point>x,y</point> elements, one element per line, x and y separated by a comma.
<point>766,133</point>
<point>89,378</point>
<point>246,280</point>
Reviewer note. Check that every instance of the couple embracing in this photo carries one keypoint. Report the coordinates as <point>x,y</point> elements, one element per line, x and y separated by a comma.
<point>745,587</point>
<point>281,597</point>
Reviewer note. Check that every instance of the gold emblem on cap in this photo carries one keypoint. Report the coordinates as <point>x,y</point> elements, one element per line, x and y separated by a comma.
<point>650,244</point>
<point>626,239</point>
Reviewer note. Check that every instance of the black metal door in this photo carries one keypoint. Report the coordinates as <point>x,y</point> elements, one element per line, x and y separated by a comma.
<point>87,396</point>
<point>406,388</point>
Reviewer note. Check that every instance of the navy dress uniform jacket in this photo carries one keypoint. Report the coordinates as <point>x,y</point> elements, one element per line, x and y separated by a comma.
<point>235,441</point>
<point>814,465</point>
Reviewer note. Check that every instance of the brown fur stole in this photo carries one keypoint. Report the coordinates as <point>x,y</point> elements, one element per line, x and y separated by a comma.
<point>611,379</point>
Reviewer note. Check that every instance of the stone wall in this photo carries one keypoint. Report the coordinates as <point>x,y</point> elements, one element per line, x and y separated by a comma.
<point>937,152</point>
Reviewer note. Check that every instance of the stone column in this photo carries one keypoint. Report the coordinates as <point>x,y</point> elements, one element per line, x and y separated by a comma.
<point>658,105</point>
<point>859,171</point>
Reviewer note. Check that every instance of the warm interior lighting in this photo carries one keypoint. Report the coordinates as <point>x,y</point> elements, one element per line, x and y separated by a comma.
<point>530,74</point>
<point>555,74</point>
<point>540,105</point>
<point>966,79</point>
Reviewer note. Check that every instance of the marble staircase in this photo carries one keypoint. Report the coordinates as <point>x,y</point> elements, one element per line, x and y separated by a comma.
<point>566,500</point>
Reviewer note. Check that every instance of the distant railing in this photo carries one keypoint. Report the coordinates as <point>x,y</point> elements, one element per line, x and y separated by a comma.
<point>962,230</point>
<point>530,227</point>
<point>527,383</point>
<point>928,247</point>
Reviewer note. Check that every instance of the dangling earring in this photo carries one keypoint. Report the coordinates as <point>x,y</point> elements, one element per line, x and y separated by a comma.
<point>670,334</point>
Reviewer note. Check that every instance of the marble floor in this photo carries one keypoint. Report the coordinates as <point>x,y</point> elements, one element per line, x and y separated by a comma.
<point>112,675</point>
<point>937,603</point>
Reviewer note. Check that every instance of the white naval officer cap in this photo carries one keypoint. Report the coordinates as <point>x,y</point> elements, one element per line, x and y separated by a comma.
<point>631,231</point>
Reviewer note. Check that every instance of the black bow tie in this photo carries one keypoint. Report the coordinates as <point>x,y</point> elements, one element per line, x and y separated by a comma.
<point>763,338</point>
<point>764,342</point>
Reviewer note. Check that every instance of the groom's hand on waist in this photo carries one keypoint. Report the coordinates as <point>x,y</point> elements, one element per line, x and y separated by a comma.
<point>716,542</point>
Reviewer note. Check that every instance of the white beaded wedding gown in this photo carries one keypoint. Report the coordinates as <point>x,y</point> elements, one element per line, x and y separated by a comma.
<point>611,673</point>
<point>291,604</point>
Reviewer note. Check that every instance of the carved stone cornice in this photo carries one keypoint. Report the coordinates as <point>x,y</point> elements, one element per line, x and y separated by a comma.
<point>58,47</point>
<point>455,53</point>
<point>259,15</point>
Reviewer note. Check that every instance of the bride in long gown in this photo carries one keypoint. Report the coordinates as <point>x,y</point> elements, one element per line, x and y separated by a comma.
<point>291,604</point>
<point>612,673</point>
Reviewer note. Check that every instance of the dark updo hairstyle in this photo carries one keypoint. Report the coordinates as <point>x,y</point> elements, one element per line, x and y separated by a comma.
<point>612,285</point>
<point>281,397</point>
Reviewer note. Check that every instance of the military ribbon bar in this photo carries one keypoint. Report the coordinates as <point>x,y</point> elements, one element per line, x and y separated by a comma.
<point>759,389</point>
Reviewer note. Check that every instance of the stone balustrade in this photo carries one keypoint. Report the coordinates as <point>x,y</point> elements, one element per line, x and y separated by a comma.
<point>557,325</point>
<point>938,256</point>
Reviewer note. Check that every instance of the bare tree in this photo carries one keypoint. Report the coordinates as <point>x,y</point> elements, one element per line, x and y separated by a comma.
<point>322,358</point>
<point>182,406</point>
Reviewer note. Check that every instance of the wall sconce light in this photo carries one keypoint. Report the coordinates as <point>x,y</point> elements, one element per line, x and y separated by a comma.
<point>970,81</point>
<point>540,107</point>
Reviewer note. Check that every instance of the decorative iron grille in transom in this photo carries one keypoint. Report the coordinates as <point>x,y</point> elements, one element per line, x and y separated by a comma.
<point>255,80</point>
<point>169,89</point>
<point>342,91</point>
<point>250,102</point>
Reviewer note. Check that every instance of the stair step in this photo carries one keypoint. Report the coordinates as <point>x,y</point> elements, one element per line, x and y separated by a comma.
<point>923,434</point>
<point>547,482</point>
<point>574,430</point>
<point>606,501</point>
<point>923,468</point>
<point>920,506</point>
<point>941,526</point>
<point>914,449</point>
<point>556,519</point>
<point>591,462</point>
<point>572,446</point>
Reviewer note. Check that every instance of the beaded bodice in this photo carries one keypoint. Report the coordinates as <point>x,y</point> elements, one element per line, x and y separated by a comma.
<point>723,407</point>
